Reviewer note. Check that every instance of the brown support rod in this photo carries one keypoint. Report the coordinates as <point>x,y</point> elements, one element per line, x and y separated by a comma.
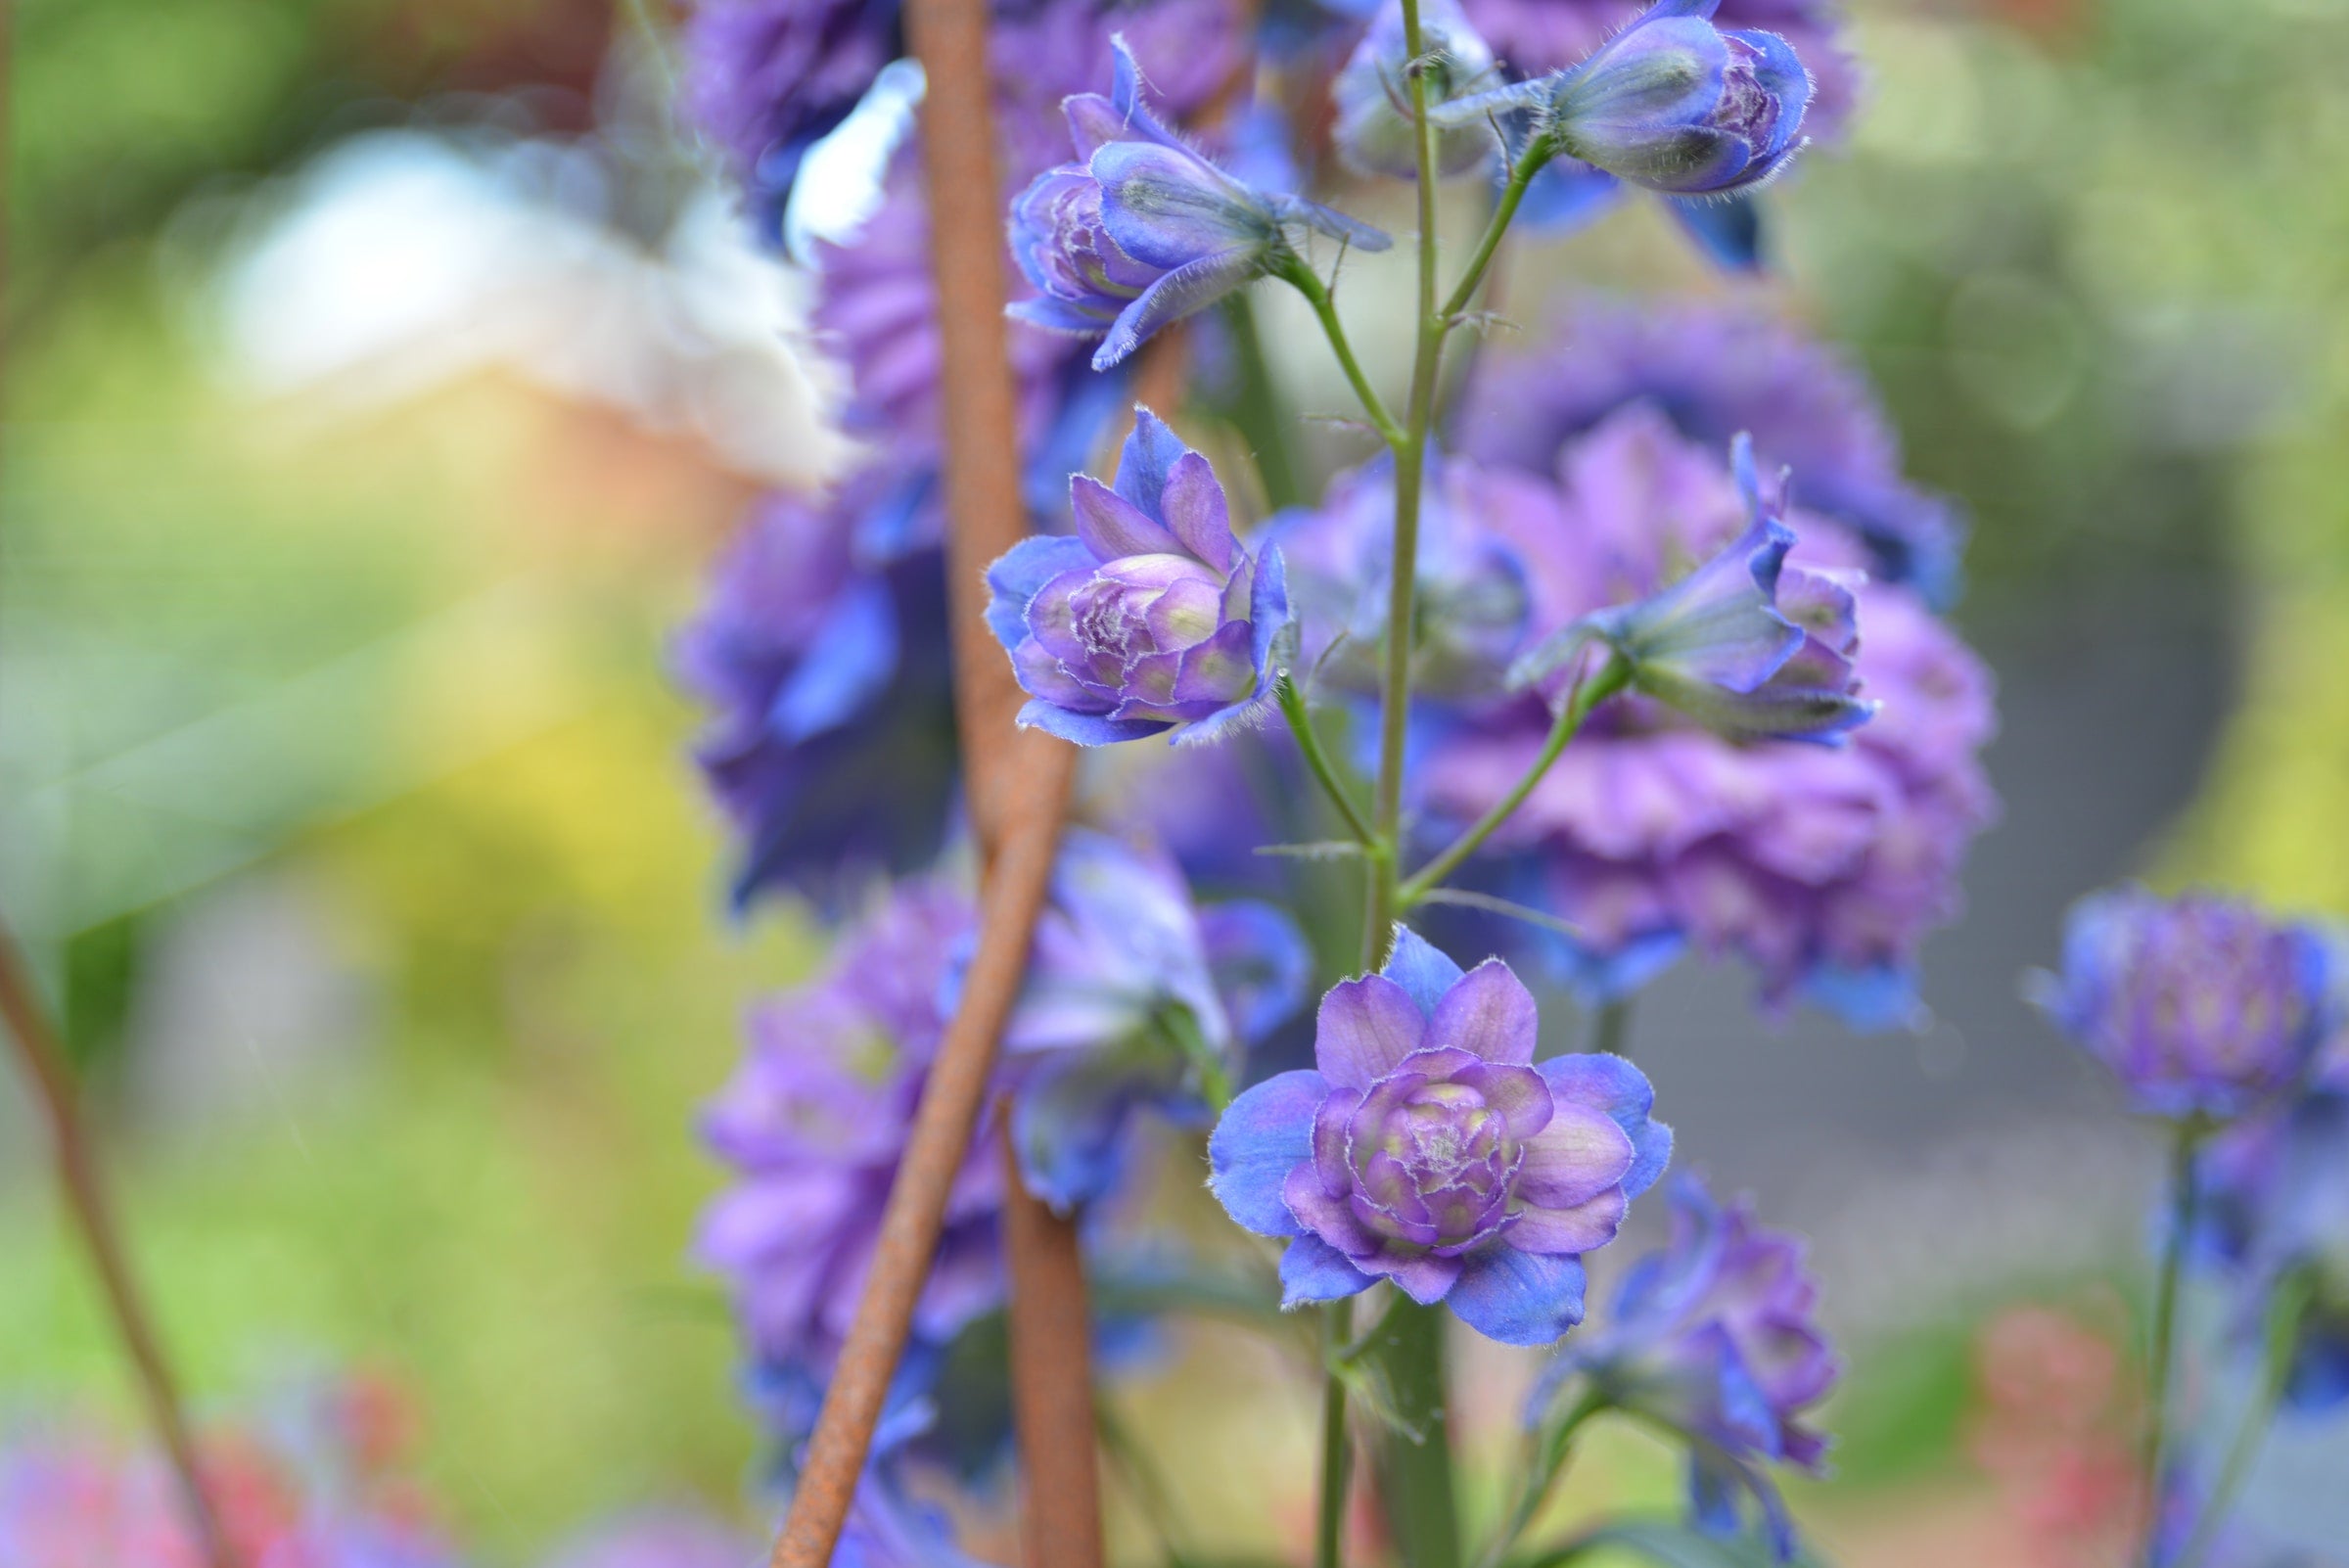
<point>1051,1380</point>
<point>85,1196</point>
<point>909,1225</point>
<point>37,1044</point>
<point>1018,784</point>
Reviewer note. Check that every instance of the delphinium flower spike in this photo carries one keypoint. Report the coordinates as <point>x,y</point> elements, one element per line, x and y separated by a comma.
<point>1151,618</point>
<point>1143,229</point>
<point>1427,1147</point>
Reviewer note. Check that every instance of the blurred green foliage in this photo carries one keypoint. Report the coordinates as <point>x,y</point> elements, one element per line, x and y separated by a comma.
<point>123,109</point>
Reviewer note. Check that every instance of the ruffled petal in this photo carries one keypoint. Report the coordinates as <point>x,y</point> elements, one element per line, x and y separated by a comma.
<point>1519,1298</point>
<point>1263,1134</point>
<point>1366,1027</point>
<point>1313,1270</point>
<point>1489,1013</point>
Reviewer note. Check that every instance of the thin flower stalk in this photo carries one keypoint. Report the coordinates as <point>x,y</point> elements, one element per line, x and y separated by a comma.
<point>86,1199</point>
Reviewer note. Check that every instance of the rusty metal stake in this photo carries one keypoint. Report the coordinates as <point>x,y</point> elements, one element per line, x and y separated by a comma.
<point>1018,785</point>
<point>77,1175</point>
<point>85,1196</point>
<point>1051,1379</point>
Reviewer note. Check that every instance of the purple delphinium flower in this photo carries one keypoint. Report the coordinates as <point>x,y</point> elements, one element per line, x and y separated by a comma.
<point>1427,1147</point>
<point>875,311</point>
<point>1672,102</point>
<point>813,1123</point>
<point>1825,867</point>
<point>875,307</point>
<point>766,79</point>
<point>2272,1203</point>
<point>1142,230</point>
<point>1716,1336</point>
<point>1716,371</point>
<point>1134,998</point>
<point>2201,1005</point>
<point>668,1538</point>
<point>1373,132</point>
<point>1743,645</point>
<point>1151,618</point>
<point>1471,596</point>
<point>833,743</point>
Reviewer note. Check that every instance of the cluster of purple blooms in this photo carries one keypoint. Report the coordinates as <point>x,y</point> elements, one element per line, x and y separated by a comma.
<point>1774,737</point>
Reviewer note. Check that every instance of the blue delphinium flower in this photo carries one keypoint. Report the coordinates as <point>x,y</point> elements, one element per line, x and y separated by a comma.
<point>2273,1202</point>
<point>1151,618</point>
<point>1714,1335</point>
<point>766,79</point>
<point>1142,230</point>
<point>1373,133</point>
<point>1134,998</point>
<point>1672,102</point>
<point>813,1123</point>
<point>1427,1147</point>
<point>2201,1005</point>
<point>1742,645</point>
<point>833,745</point>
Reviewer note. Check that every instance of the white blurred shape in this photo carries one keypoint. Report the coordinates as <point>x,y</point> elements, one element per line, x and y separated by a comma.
<point>403,260</point>
<point>839,180</point>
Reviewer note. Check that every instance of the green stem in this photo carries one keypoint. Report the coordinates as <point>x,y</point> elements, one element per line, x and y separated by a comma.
<point>2290,1303</point>
<point>1548,1463</point>
<point>1415,1480</point>
<point>1257,412</point>
<point>1587,695</point>
<point>1410,467</point>
<point>1214,1074</point>
<point>1422,1503</point>
<point>2165,1318</point>
<point>1309,283</point>
<point>1504,211</point>
<point>1337,1454</point>
<point>1300,724</point>
<point>1611,1027</point>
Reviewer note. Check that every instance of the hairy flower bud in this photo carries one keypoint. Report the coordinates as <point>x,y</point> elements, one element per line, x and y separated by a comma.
<point>1744,645</point>
<point>1427,1147</point>
<point>1673,103</point>
<point>1143,230</point>
<point>1151,618</point>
